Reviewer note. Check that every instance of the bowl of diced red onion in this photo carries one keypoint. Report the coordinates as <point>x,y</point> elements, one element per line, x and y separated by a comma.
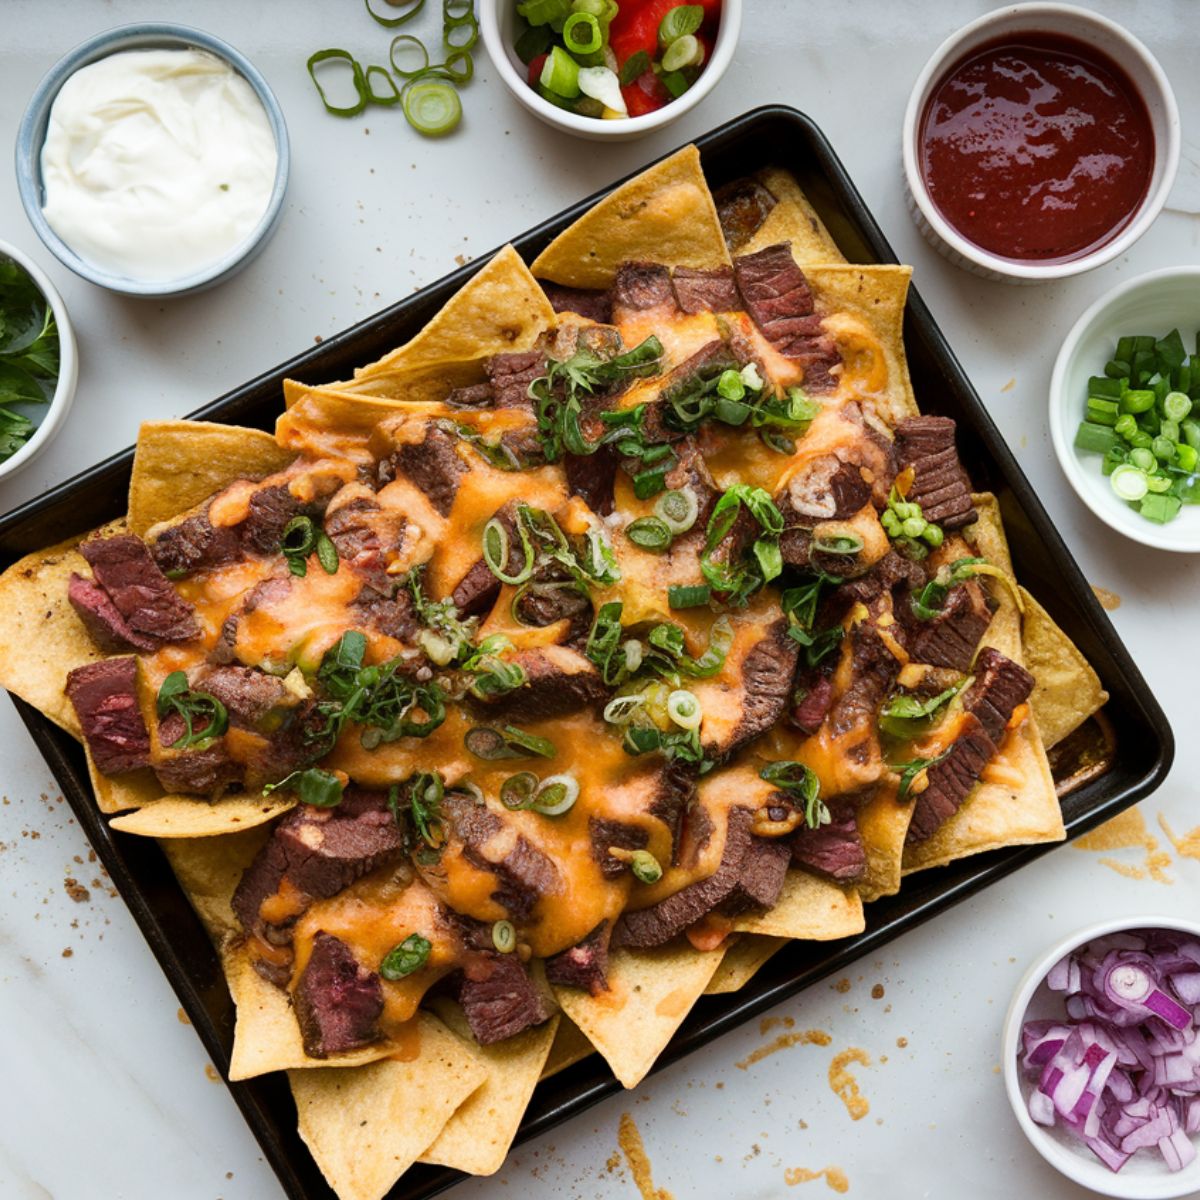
<point>1102,1057</point>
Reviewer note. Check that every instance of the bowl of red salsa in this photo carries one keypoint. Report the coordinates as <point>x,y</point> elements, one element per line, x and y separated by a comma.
<point>1040,141</point>
<point>610,69</point>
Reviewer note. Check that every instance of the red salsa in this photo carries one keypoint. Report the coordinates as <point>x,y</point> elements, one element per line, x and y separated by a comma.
<point>1037,147</point>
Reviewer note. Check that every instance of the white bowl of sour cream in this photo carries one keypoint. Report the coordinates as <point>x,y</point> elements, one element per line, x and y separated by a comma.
<point>153,160</point>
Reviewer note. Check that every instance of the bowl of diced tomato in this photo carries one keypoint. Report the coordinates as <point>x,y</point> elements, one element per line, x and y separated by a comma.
<point>610,69</point>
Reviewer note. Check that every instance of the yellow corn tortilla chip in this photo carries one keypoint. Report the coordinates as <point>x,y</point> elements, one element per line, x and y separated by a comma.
<point>808,909</point>
<point>745,955</point>
<point>477,1138</point>
<point>193,817</point>
<point>570,1046</point>
<point>500,309</point>
<point>178,464</point>
<point>665,214</point>
<point>650,993</point>
<point>367,1125</point>
<point>1023,808</point>
<point>41,638</point>
<point>883,825</point>
<point>865,316</point>
<point>1067,690</point>
<point>793,219</point>
<point>209,870</point>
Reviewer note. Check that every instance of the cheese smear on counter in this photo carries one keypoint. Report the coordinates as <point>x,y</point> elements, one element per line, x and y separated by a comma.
<point>156,163</point>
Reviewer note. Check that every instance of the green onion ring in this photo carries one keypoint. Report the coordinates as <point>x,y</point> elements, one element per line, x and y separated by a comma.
<point>450,68</point>
<point>517,791</point>
<point>649,533</point>
<point>360,84</point>
<point>645,867</point>
<point>849,543</point>
<point>684,709</point>
<point>504,936</point>
<point>420,45</point>
<point>556,795</point>
<point>384,101</point>
<point>457,10</point>
<point>678,510</point>
<point>432,107</point>
<point>472,28</point>
<point>585,22</point>
<point>413,7</point>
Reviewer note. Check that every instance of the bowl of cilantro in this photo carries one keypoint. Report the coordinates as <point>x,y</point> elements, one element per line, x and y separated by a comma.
<point>38,362</point>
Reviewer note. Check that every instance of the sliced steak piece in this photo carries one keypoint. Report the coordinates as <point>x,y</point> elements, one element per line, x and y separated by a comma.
<point>294,745</point>
<point>556,599</point>
<point>593,303</point>
<point>476,395</point>
<point>824,489</point>
<point>105,625</point>
<point>834,851</point>
<point>476,591</point>
<point>510,376</point>
<point>892,573</point>
<point>584,965</point>
<point>523,873</point>
<point>500,1000</point>
<point>433,465</point>
<point>365,534</point>
<point>873,670</point>
<point>592,477</point>
<point>105,698</point>
<point>640,287</point>
<point>940,485</point>
<point>338,1002</point>
<point>742,207</point>
<point>706,363</point>
<point>776,294</point>
<point>249,696</point>
<point>950,638</point>
<point>1000,686</point>
<point>676,789</point>
<point>811,700</point>
<point>208,772</point>
<point>270,510</point>
<point>558,681</point>
<point>393,616</point>
<point>195,544</point>
<point>750,874</point>
<point>140,592</point>
<point>605,834</point>
<point>698,291</point>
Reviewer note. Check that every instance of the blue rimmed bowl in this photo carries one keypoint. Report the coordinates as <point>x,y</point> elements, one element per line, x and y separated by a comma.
<point>32,134</point>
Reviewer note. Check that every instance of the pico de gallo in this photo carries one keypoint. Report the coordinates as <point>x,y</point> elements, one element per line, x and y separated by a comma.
<point>614,60</point>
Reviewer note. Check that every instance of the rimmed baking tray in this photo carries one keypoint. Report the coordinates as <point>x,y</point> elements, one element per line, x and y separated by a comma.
<point>1101,776</point>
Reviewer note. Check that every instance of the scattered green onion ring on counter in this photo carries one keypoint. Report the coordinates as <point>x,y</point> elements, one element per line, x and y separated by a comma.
<point>407,39</point>
<point>504,936</point>
<point>458,10</point>
<point>459,67</point>
<point>360,83</point>
<point>411,8</point>
<point>472,35</point>
<point>387,99</point>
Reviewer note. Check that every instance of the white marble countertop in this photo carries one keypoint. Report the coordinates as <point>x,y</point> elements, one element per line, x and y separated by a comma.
<point>106,1095</point>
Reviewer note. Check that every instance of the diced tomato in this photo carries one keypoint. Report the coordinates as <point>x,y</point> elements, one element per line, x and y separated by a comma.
<point>645,95</point>
<point>535,69</point>
<point>635,27</point>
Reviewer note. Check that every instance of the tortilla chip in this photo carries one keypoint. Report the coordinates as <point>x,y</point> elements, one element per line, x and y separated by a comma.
<point>192,817</point>
<point>266,1036</point>
<point>209,870</point>
<point>745,955</point>
<point>1067,691</point>
<point>41,638</point>
<point>865,316</point>
<point>477,1138</point>
<point>793,219</point>
<point>666,214</point>
<point>808,909</point>
<point>883,825</point>
<point>570,1046</point>
<point>650,993</point>
<point>178,464</point>
<point>500,309</point>
<point>365,1126</point>
<point>1022,809</point>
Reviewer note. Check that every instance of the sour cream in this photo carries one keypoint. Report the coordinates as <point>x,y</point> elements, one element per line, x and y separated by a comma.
<point>157,163</point>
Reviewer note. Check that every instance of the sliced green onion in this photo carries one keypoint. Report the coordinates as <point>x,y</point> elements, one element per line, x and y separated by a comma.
<point>531,743</point>
<point>560,74</point>
<point>1164,449</point>
<point>359,80</point>
<point>327,554</point>
<point>467,42</point>
<point>1142,458</point>
<point>1161,509</point>
<point>1129,482</point>
<point>1137,401</point>
<point>387,99</point>
<point>1186,457</point>
<point>1126,425</point>
<point>407,40</point>
<point>650,483</point>
<point>517,791</point>
<point>678,510</point>
<point>411,8</point>
<point>556,795</point>
<point>1177,405</point>
<point>411,955</point>
<point>684,709</point>
<point>621,709</point>
<point>645,867</point>
<point>688,595</point>
<point>848,543</point>
<point>459,66</point>
<point>493,744</point>
<point>650,533</point>
<point>683,52</point>
<point>432,107</point>
<point>603,10</point>
<point>676,82</point>
<point>504,936</point>
<point>545,12</point>
<point>681,21</point>
<point>581,33</point>
<point>1158,483</point>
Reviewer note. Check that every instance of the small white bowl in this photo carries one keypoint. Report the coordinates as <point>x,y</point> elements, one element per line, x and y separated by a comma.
<point>1093,30</point>
<point>1154,303</point>
<point>497,20</point>
<point>1145,1176</point>
<point>55,412</point>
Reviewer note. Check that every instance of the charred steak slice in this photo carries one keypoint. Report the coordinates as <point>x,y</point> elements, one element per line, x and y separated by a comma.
<point>742,207</point>
<point>584,965</point>
<point>698,290</point>
<point>476,591</point>
<point>640,287</point>
<point>208,772</point>
<point>593,303</point>
<point>950,638</point>
<point>751,873</point>
<point>195,544</point>
<point>940,485</point>
<point>605,834</point>
<point>105,698</point>
<point>834,851</point>
<point>1000,686</point>
<point>500,1000</point>
<point>338,1002</point>
<point>139,591</point>
<point>510,376</point>
<point>558,681</point>
<point>105,625</point>
<point>433,465</point>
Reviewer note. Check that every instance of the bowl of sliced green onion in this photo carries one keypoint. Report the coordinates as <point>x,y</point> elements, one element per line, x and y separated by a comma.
<point>610,70</point>
<point>1125,409</point>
